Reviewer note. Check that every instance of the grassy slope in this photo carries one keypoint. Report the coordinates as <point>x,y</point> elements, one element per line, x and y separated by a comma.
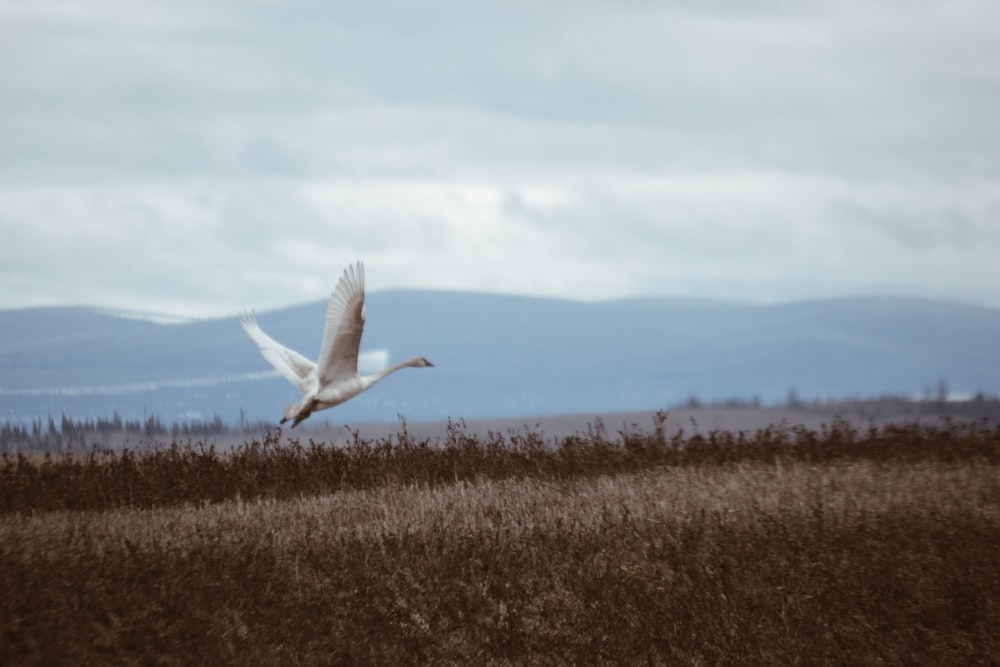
<point>613,553</point>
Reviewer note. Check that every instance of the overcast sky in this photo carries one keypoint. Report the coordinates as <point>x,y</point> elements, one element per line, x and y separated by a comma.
<point>198,157</point>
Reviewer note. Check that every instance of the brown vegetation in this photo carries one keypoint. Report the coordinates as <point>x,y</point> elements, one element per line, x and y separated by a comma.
<point>836,546</point>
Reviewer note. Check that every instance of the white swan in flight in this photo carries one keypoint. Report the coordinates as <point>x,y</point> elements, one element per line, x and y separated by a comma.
<point>335,378</point>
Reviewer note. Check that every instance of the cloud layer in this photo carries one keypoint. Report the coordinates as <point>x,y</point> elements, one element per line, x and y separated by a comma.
<point>198,158</point>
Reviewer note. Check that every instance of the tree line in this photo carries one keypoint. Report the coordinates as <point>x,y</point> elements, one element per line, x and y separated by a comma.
<point>99,433</point>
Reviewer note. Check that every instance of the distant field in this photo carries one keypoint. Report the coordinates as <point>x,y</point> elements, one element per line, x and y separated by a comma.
<point>835,545</point>
<point>324,427</point>
<point>702,419</point>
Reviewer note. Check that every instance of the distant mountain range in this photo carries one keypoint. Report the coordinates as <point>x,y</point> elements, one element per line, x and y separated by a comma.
<point>500,356</point>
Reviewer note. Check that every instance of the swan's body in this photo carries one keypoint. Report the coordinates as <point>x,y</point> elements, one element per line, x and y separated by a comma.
<point>335,378</point>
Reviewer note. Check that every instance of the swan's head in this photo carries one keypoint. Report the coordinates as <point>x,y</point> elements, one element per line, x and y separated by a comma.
<point>420,362</point>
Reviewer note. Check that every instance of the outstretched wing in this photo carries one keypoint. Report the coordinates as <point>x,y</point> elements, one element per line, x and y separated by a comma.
<point>345,321</point>
<point>289,363</point>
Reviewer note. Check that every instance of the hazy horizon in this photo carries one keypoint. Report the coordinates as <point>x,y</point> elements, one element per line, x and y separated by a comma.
<point>504,356</point>
<point>167,318</point>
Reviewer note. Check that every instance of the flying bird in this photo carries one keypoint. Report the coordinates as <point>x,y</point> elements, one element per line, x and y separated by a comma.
<point>334,379</point>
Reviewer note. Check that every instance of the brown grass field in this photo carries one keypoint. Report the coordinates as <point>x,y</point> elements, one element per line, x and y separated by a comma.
<point>835,545</point>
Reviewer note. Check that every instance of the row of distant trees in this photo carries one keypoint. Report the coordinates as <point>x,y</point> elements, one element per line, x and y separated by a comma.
<point>86,434</point>
<point>978,406</point>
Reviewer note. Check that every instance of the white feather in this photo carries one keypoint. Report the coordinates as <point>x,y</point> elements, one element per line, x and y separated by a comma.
<point>335,378</point>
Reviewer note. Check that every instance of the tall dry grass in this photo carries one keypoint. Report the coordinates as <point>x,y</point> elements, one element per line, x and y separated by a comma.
<point>776,549</point>
<point>276,466</point>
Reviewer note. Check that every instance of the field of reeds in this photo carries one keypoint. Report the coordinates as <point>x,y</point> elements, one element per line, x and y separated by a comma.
<point>839,545</point>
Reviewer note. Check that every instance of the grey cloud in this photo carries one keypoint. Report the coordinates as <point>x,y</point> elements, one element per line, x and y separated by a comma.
<point>925,229</point>
<point>229,109</point>
<point>219,85</point>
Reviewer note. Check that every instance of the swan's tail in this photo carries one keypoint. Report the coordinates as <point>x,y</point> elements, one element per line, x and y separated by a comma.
<point>298,411</point>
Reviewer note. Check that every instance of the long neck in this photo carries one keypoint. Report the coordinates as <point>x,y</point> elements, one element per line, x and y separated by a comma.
<point>375,377</point>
